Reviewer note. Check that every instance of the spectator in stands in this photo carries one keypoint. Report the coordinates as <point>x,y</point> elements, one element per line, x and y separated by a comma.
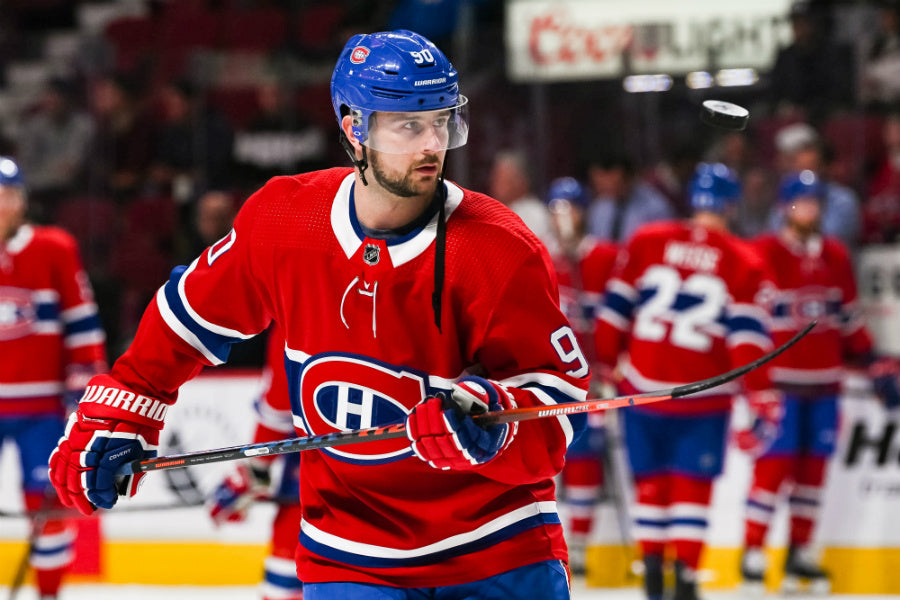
<point>734,150</point>
<point>880,78</point>
<point>756,207</point>
<point>881,211</point>
<point>123,143</point>
<point>623,201</point>
<point>435,19</point>
<point>813,75</point>
<point>510,183</point>
<point>53,146</point>
<point>214,215</point>
<point>193,153</point>
<point>279,139</point>
<point>800,148</point>
<point>194,147</point>
<point>672,175</point>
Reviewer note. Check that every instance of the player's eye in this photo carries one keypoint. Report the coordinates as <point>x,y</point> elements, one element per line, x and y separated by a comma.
<point>413,127</point>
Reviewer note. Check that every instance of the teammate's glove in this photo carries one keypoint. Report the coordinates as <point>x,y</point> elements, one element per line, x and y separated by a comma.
<point>444,435</point>
<point>884,373</point>
<point>111,427</point>
<point>243,486</point>
<point>767,407</point>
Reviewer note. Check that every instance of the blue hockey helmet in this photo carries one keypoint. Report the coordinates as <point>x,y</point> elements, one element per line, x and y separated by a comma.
<point>804,184</point>
<point>714,187</point>
<point>568,188</point>
<point>10,174</point>
<point>399,72</point>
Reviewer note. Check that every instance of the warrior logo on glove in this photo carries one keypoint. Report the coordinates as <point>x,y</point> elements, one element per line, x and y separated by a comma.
<point>112,426</point>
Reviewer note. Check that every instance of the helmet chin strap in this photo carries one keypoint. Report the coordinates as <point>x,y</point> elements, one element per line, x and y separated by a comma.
<point>362,163</point>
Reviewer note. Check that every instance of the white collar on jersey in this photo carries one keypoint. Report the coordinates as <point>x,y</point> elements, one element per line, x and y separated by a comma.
<point>402,249</point>
<point>18,242</point>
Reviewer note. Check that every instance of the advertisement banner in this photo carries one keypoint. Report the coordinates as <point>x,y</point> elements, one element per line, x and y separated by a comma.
<point>878,275</point>
<point>551,40</point>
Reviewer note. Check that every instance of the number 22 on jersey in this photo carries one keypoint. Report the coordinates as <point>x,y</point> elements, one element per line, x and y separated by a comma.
<point>684,308</point>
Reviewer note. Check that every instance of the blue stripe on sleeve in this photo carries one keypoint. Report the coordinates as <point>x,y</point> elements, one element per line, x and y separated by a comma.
<point>745,323</point>
<point>47,311</point>
<point>91,323</point>
<point>618,304</point>
<point>219,345</point>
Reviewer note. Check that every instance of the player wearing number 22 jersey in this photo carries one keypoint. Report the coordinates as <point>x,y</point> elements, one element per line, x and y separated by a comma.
<point>686,302</point>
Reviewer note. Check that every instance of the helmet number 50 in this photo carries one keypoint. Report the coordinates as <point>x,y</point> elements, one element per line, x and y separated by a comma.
<point>423,57</point>
<point>566,346</point>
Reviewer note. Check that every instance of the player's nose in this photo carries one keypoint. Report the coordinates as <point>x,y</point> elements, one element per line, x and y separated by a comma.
<point>435,140</point>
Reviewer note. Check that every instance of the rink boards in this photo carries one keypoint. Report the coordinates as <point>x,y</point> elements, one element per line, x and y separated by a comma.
<point>859,533</point>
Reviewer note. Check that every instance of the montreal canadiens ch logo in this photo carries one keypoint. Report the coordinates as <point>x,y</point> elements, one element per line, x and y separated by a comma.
<point>340,392</point>
<point>359,55</point>
<point>809,304</point>
<point>17,313</point>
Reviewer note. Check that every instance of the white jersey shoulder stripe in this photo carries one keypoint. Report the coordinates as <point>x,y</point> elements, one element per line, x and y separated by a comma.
<point>180,330</point>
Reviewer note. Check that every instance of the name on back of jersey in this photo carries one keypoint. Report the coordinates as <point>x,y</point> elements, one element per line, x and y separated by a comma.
<point>693,256</point>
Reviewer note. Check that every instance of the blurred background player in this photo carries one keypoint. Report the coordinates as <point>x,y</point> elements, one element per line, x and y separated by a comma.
<point>253,480</point>
<point>583,265</point>
<point>510,183</point>
<point>814,279</point>
<point>51,343</point>
<point>683,303</point>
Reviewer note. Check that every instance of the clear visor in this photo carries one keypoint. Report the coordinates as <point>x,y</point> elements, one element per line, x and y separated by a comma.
<point>421,131</point>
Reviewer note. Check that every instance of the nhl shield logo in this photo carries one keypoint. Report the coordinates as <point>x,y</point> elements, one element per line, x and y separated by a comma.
<point>359,55</point>
<point>371,254</point>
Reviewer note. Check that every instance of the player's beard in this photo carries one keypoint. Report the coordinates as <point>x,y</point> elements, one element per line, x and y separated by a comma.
<point>403,185</point>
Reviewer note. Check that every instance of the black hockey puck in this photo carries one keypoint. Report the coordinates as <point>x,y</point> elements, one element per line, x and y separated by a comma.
<point>724,115</point>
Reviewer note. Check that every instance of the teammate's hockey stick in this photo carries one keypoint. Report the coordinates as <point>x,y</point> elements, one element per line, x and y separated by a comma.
<point>71,513</point>
<point>38,519</point>
<point>398,430</point>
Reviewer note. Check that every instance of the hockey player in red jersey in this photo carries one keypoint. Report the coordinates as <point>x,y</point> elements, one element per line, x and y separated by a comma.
<point>403,298</point>
<point>252,480</point>
<point>814,279</point>
<point>52,344</point>
<point>583,265</point>
<point>685,303</point>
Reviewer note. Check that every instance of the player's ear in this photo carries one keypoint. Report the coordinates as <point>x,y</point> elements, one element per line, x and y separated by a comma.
<point>347,130</point>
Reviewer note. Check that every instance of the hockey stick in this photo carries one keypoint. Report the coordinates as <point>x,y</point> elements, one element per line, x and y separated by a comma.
<point>398,430</point>
<point>69,513</point>
<point>38,519</point>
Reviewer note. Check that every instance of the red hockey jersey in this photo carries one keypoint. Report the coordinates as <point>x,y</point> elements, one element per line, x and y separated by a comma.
<point>273,408</point>
<point>686,303</point>
<point>48,321</point>
<point>582,279</point>
<point>362,349</point>
<point>813,281</point>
